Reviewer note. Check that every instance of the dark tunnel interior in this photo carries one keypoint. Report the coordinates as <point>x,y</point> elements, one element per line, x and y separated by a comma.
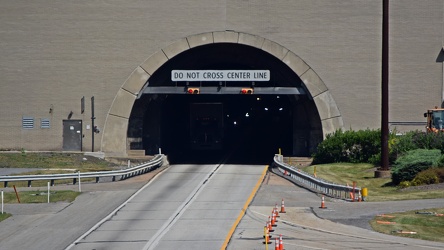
<point>253,129</point>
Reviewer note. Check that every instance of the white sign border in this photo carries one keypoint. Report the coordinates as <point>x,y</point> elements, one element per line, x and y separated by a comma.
<point>220,75</point>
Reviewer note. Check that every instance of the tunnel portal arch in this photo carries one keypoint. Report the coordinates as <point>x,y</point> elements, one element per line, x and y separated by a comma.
<point>114,139</point>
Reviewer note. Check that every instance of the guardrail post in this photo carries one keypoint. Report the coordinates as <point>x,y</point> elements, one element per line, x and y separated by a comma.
<point>354,191</point>
<point>74,181</point>
<point>114,178</point>
<point>6,184</point>
<point>80,184</point>
<point>29,183</point>
<point>48,192</point>
<point>97,179</point>
<point>52,182</point>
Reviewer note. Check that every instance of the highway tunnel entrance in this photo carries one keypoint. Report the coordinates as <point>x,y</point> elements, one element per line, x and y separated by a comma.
<point>263,108</point>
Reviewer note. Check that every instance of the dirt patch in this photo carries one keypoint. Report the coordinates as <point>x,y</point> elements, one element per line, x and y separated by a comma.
<point>438,186</point>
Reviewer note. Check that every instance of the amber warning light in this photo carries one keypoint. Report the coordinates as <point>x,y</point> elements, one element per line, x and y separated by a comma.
<point>247,91</point>
<point>193,91</point>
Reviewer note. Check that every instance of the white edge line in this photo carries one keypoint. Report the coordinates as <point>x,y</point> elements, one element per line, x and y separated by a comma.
<point>113,212</point>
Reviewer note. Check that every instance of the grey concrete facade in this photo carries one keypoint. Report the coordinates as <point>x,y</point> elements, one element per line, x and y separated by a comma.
<point>53,54</point>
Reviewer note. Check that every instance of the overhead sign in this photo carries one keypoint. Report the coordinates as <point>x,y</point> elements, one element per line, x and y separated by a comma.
<point>220,75</point>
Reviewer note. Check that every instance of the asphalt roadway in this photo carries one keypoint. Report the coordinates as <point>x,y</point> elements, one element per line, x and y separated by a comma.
<point>343,225</point>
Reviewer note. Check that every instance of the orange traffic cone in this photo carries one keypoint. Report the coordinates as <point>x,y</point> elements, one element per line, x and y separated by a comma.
<point>276,243</point>
<point>281,243</point>
<point>322,203</point>
<point>352,196</point>
<point>273,220</point>
<point>359,196</point>
<point>275,214</point>
<point>266,236</point>
<point>270,227</point>
<point>282,206</point>
<point>275,210</point>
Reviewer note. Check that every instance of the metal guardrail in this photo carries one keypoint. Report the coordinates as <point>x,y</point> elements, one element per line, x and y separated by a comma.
<point>146,167</point>
<point>316,184</point>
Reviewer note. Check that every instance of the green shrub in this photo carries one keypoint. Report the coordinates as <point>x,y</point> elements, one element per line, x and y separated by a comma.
<point>330,150</point>
<point>404,184</point>
<point>440,174</point>
<point>349,146</point>
<point>429,140</point>
<point>365,146</point>
<point>425,177</point>
<point>402,144</point>
<point>440,162</point>
<point>412,162</point>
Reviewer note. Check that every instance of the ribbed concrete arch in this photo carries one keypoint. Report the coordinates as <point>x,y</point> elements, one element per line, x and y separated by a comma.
<point>116,124</point>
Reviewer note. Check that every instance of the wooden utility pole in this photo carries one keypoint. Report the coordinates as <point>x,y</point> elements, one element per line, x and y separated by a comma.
<point>385,86</point>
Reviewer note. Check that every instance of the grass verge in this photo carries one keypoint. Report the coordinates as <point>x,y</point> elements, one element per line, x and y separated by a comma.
<point>40,196</point>
<point>54,161</point>
<point>4,216</point>
<point>419,224</point>
<point>379,189</point>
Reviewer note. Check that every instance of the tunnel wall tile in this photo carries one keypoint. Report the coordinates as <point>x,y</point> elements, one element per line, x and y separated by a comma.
<point>295,63</point>
<point>123,103</point>
<point>225,37</point>
<point>154,62</point>
<point>112,142</point>
<point>136,80</point>
<point>326,106</point>
<point>251,40</point>
<point>176,48</point>
<point>200,39</point>
<point>331,125</point>
<point>275,49</point>
<point>314,84</point>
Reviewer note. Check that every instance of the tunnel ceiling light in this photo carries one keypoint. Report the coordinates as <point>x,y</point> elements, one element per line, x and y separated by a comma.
<point>280,109</point>
<point>247,115</point>
<point>258,99</point>
<point>266,109</point>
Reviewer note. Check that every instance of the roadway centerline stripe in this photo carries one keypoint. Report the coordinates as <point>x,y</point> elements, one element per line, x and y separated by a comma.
<point>155,239</point>
<point>244,209</point>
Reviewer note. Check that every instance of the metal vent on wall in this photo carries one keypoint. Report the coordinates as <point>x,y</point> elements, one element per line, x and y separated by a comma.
<point>27,122</point>
<point>44,123</point>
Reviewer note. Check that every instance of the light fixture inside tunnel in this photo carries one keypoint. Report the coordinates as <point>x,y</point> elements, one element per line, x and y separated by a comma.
<point>193,91</point>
